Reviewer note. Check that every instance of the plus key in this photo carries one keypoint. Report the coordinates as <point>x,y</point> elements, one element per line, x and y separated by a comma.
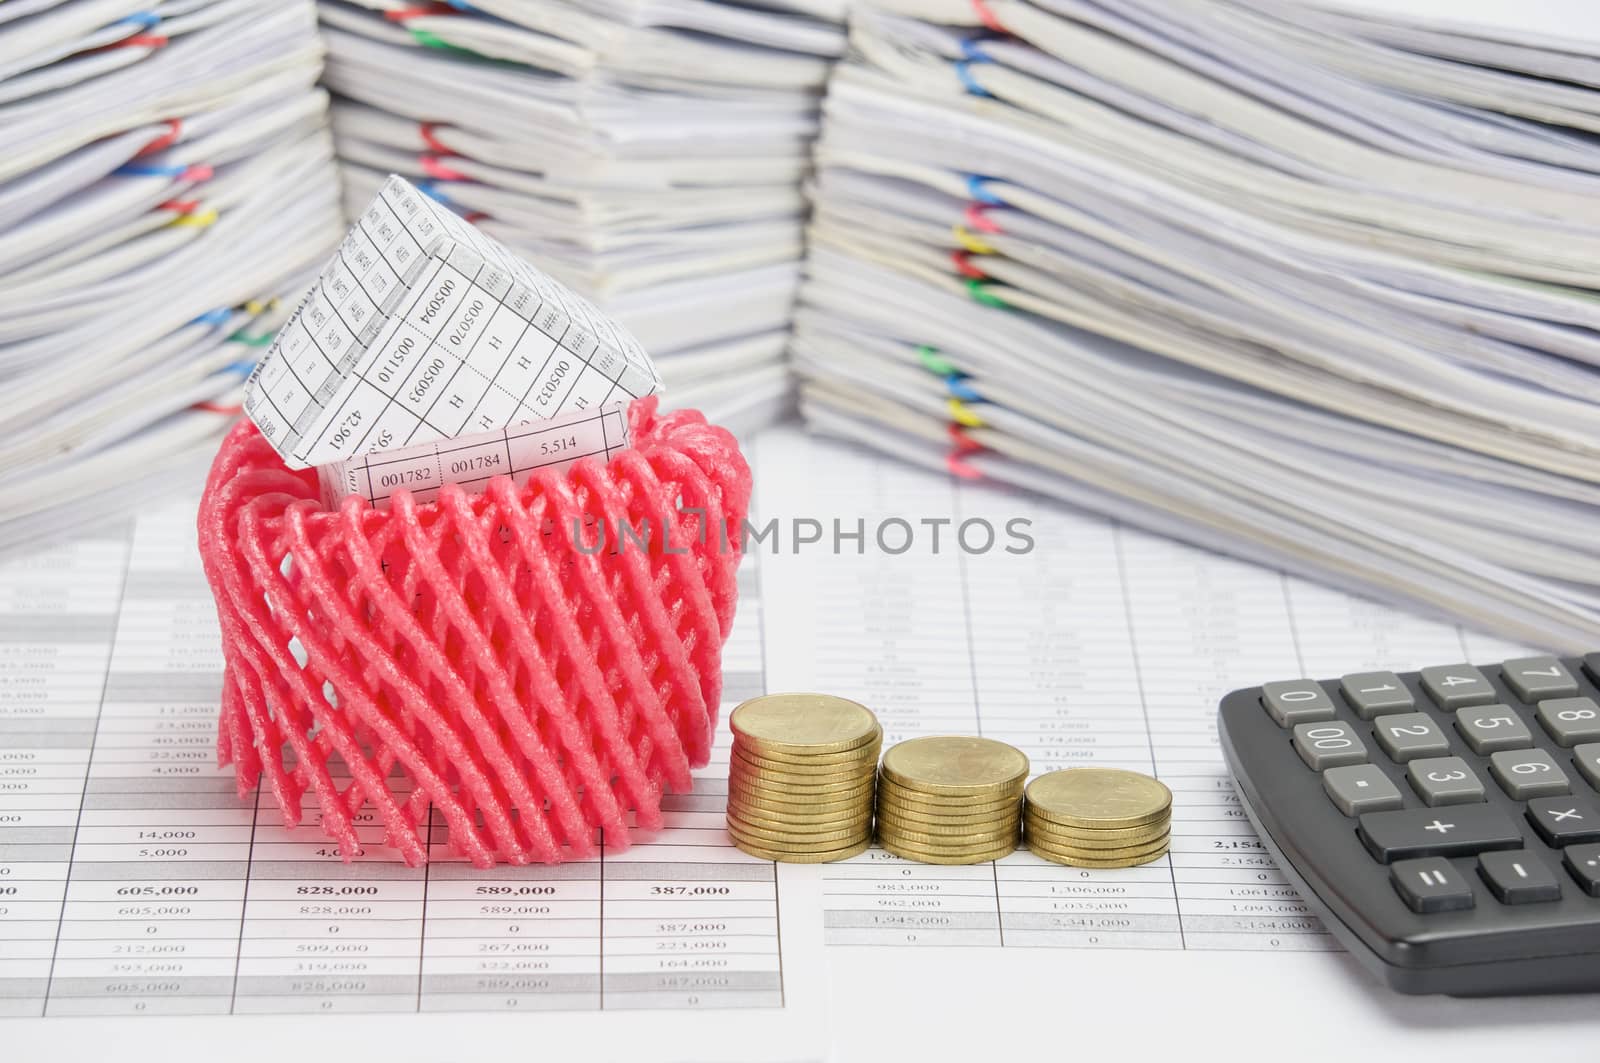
<point>1461,830</point>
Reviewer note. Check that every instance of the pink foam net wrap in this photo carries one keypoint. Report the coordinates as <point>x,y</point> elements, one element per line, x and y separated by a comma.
<point>479,655</point>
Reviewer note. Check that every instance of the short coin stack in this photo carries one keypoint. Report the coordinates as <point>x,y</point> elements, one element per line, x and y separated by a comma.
<point>1098,817</point>
<point>951,800</point>
<point>800,779</point>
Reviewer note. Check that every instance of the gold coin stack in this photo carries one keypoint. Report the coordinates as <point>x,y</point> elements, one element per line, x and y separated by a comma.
<point>950,799</point>
<point>1098,817</point>
<point>800,777</point>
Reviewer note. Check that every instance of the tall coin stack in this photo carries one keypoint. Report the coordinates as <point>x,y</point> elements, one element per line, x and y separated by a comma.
<point>950,799</point>
<point>1098,817</point>
<point>800,779</point>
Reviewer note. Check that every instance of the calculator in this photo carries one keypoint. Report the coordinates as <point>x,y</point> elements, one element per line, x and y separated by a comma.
<point>1445,824</point>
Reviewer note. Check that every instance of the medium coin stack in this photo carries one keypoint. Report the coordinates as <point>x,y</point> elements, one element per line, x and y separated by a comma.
<point>1098,817</point>
<point>950,799</point>
<point>800,779</point>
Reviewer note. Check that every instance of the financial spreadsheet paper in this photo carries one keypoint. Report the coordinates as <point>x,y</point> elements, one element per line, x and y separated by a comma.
<point>144,907</point>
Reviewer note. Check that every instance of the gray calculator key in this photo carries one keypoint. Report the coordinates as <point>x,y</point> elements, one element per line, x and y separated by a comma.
<point>1588,759</point>
<point>1528,773</point>
<point>1361,788</point>
<point>1431,885</point>
<point>1516,876</point>
<point>1297,701</point>
<point>1376,693</point>
<point>1537,678</point>
<point>1455,686</point>
<point>1328,744</point>
<point>1492,728</point>
<point>1407,736</point>
<point>1571,720</point>
<point>1445,781</point>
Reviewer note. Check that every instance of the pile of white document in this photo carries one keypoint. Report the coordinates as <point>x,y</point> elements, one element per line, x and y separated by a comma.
<point>648,153</point>
<point>1313,287</point>
<point>166,176</point>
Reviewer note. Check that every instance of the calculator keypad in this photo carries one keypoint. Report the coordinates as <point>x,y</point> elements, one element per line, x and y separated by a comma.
<point>1328,745</point>
<point>1410,735</point>
<point>1536,678</point>
<point>1565,820</point>
<point>1444,781</point>
<point>1361,788</point>
<point>1525,774</point>
<point>1571,720</point>
<point>1474,791</point>
<point>1376,694</point>
<point>1297,701</point>
<point>1492,728</point>
<point>1517,876</point>
<point>1455,686</point>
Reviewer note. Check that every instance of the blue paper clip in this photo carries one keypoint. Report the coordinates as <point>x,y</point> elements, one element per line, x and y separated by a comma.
<point>975,190</point>
<point>220,316</point>
<point>429,189</point>
<point>959,388</point>
<point>142,19</point>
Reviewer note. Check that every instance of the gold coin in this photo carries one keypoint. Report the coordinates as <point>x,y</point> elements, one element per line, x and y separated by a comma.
<point>1090,837</point>
<point>864,766</point>
<point>889,794</point>
<point>937,841</point>
<point>780,805</point>
<point>747,779</point>
<point>1079,861</point>
<point>1106,798</point>
<point>945,825</point>
<point>781,838</point>
<point>955,765</point>
<point>868,753</point>
<point>1012,791</point>
<point>804,723</point>
<point>795,845</point>
<point>769,818</point>
<point>1161,844</point>
<point>803,778</point>
<point>826,857</point>
<point>925,857</point>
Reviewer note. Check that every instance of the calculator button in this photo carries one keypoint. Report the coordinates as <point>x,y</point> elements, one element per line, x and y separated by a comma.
<point>1432,885</point>
<point>1517,876</point>
<point>1491,728</point>
<point>1584,863</point>
<point>1455,686</point>
<point>1444,781</point>
<point>1537,678</point>
<point>1588,759</point>
<point>1361,788</point>
<point>1571,720</point>
<point>1528,773</point>
<point>1376,693</point>
<point>1591,664</point>
<point>1410,735</point>
<point>1465,830</point>
<point>1565,820</point>
<point>1328,745</point>
<point>1297,701</point>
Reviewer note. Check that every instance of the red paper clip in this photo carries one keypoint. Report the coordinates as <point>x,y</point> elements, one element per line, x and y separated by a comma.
<point>987,17</point>
<point>963,263</point>
<point>165,140</point>
<point>180,206</point>
<point>977,217</point>
<point>404,13</point>
<point>435,145</point>
<point>434,168</point>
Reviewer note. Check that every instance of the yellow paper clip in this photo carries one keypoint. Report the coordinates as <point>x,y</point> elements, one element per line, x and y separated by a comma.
<point>198,220</point>
<point>962,414</point>
<point>965,238</point>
